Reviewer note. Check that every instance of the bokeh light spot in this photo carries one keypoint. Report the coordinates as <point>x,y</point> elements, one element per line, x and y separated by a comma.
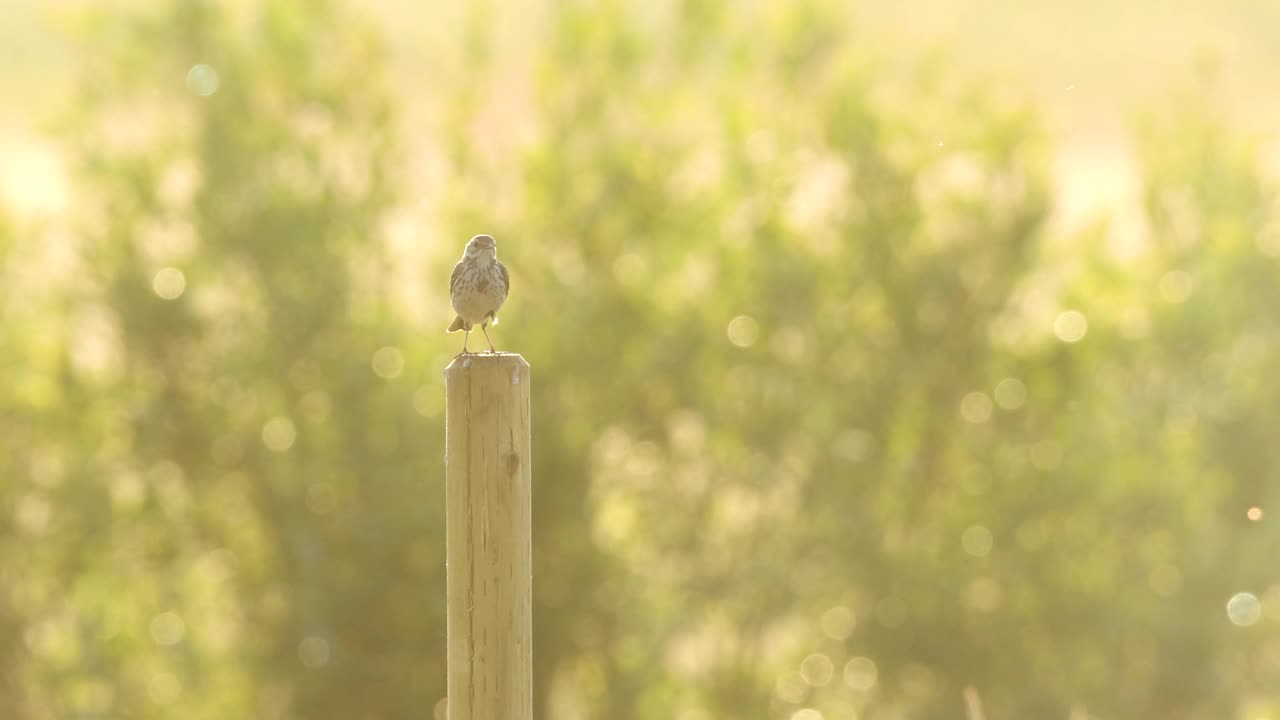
<point>169,283</point>
<point>1046,455</point>
<point>1176,286</point>
<point>817,669</point>
<point>838,623</point>
<point>315,406</point>
<point>279,433</point>
<point>860,674</point>
<point>164,688</point>
<point>1268,240</point>
<point>917,680</point>
<point>217,565</point>
<point>202,80</point>
<point>1071,326</point>
<point>1010,393</point>
<point>227,450</point>
<point>167,628</point>
<point>984,594</point>
<point>1165,580</point>
<point>33,512</point>
<point>388,362</point>
<point>977,541</point>
<point>629,268</point>
<point>127,490</point>
<point>687,430</point>
<point>321,498</point>
<point>791,687</point>
<point>93,698</point>
<point>1254,514</point>
<point>305,374</point>
<point>1244,609</point>
<point>976,407</point>
<point>743,331</point>
<point>313,651</point>
<point>855,444</point>
<point>1134,323</point>
<point>791,344</point>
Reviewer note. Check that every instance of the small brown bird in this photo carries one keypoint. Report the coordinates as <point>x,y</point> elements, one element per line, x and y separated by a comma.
<point>477,288</point>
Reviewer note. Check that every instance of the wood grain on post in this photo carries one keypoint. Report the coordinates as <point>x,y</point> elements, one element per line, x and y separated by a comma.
<point>487,516</point>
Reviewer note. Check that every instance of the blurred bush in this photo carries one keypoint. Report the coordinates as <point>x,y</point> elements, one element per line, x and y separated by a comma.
<point>830,420</point>
<point>221,483</point>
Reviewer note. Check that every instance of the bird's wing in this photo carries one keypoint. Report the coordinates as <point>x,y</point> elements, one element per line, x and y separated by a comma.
<point>506,279</point>
<point>453,279</point>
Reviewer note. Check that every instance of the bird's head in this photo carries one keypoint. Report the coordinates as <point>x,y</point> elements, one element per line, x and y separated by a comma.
<point>482,246</point>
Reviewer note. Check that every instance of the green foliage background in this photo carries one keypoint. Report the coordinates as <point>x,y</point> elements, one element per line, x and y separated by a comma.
<point>809,440</point>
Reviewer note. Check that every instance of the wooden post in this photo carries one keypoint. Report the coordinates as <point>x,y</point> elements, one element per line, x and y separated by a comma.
<point>487,525</point>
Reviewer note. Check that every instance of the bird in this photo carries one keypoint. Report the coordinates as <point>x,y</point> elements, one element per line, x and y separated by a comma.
<point>477,289</point>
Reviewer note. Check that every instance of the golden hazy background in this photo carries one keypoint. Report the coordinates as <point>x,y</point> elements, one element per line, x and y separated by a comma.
<point>891,360</point>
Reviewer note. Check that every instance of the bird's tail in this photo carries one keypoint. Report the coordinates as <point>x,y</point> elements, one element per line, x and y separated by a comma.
<point>458,324</point>
<point>494,318</point>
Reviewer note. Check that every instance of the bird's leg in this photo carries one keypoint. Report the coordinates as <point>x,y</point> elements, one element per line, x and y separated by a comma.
<point>484,327</point>
<point>466,334</point>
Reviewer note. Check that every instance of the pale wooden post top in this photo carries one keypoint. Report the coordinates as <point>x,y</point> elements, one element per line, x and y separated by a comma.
<point>486,360</point>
